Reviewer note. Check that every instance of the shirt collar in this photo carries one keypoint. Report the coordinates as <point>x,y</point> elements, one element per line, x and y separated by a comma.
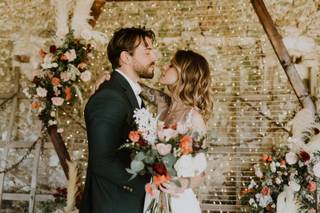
<point>135,86</point>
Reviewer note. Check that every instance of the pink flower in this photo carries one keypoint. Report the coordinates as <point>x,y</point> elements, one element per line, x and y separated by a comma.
<point>65,76</point>
<point>167,134</point>
<point>163,149</point>
<point>265,190</point>
<point>291,158</point>
<point>41,92</point>
<point>70,55</point>
<point>57,101</point>
<point>316,170</point>
<point>85,76</point>
<point>312,186</point>
<point>150,189</point>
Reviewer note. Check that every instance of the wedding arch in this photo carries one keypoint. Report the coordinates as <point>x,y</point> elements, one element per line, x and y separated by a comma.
<point>279,48</point>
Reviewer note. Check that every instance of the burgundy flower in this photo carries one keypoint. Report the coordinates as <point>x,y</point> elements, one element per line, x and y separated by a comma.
<point>304,156</point>
<point>53,49</point>
<point>160,169</point>
<point>142,142</point>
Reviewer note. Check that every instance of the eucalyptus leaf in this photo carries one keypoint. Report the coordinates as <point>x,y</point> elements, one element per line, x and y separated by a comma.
<point>136,165</point>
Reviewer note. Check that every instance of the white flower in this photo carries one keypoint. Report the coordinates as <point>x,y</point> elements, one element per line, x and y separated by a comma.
<point>147,124</point>
<point>278,181</point>
<point>184,166</point>
<point>52,114</point>
<point>65,76</point>
<point>57,101</point>
<point>294,186</point>
<point>258,171</point>
<point>251,201</point>
<point>316,170</point>
<point>291,158</point>
<point>60,130</point>
<point>182,128</point>
<point>273,167</point>
<point>26,92</point>
<point>47,61</point>
<point>85,76</point>
<point>52,122</point>
<point>86,34</point>
<point>71,55</point>
<point>265,200</point>
<point>252,184</point>
<point>41,92</point>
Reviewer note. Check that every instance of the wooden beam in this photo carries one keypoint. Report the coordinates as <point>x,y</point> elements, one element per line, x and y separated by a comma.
<point>56,138</point>
<point>96,10</point>
<point>282,54</point>
<point>60,148</point>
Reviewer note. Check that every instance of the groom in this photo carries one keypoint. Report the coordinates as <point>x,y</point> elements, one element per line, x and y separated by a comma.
<point>109,118</point>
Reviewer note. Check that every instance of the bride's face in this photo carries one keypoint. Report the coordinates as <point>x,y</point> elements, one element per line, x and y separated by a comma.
<point>169,75</point>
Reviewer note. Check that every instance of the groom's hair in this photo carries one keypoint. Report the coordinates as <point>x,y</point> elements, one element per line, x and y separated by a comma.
<point>125,39</point>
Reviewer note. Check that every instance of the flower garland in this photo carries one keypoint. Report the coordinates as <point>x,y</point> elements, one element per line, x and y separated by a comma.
<point>65,64</point>
<point>286,179</point>
<point>56,84</point>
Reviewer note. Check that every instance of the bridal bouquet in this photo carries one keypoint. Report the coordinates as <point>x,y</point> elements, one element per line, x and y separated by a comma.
<point>165,152</point>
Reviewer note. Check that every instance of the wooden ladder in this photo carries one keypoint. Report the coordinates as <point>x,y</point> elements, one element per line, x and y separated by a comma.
<point>7,144</point>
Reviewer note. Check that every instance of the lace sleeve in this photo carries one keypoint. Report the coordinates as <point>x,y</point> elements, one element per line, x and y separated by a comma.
<point>156,97</point>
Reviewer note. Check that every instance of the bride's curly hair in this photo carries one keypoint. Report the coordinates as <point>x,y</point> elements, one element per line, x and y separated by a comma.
<point>193,87</point>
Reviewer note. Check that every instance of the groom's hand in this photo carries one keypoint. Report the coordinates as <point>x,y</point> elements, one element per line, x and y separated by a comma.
<point>105,76</point>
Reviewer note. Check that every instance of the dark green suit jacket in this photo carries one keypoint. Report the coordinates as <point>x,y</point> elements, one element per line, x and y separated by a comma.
<point>108,116</point>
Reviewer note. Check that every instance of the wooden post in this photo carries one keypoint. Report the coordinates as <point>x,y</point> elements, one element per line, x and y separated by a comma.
<point>282,54</point>
<point>56,138</point>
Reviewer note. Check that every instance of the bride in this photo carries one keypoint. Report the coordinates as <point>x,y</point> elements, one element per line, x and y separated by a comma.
<point>188,80</point>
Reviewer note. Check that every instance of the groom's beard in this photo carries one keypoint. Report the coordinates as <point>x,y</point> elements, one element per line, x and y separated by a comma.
<point>145,71</point>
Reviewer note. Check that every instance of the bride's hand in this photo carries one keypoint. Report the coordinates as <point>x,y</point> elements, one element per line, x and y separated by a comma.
<point>105,76</point>
<point>173,189</point>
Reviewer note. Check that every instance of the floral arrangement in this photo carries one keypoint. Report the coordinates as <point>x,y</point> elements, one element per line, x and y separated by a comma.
<point>165,152</point>
<point>64,65</point>
<point>286,180</point>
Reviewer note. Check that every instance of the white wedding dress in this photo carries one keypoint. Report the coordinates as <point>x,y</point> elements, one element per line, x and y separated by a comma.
<point>186,166</point>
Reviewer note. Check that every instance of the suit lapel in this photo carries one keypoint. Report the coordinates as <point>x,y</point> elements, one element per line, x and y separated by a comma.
<point>126,89</point>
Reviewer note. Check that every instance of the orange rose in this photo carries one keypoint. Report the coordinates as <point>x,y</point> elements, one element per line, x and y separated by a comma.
<point>186,144</point>
<point>245,191</point>
<point>134,136</point>
<point>269,158</point>
<point>63,57</point>
<point>264,157</point>
<point>282,162</point>
<point>35,105</point>
<point>68,93</point>
<point>82,65</point>
<point>55,81</point>
<point>150,189</point>
<point>42,53</point>
<point>174,126</point>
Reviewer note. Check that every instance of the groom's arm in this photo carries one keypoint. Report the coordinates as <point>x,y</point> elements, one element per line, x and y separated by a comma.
<point>105,117</point>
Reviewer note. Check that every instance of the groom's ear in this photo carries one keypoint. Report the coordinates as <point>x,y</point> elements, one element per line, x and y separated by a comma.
<point>125,58</point>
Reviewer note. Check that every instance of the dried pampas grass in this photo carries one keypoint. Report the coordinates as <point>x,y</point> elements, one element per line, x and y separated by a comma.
<point>72,188</point>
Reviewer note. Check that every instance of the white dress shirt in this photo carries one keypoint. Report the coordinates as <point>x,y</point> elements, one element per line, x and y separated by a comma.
<point>134,86</point>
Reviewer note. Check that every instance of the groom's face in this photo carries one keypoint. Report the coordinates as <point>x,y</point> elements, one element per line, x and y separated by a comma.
<point>144,59</point>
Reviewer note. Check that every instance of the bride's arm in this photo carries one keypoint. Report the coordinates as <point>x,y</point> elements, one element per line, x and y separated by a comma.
<point>156,97</point>
<point>186,183</point>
